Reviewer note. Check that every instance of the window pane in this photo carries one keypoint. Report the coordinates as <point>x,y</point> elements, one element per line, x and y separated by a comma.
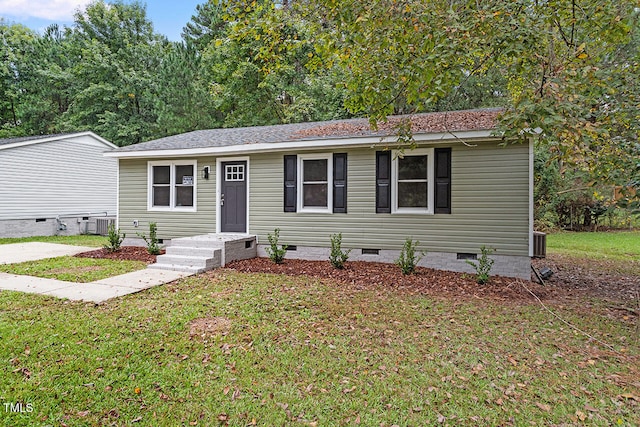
<point>183,171</point>
<point>412,195</point>
<point>412,167</point>
<point>315,170</point>
<point>160,196</point>
<point>315,195</point>
<point>161,174</point>
<point>184,196</point>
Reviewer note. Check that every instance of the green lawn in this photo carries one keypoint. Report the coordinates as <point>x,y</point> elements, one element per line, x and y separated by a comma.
<point>72,269</point>
<point>621,246</point>
<point>81,240</point>
<point>309,353</point>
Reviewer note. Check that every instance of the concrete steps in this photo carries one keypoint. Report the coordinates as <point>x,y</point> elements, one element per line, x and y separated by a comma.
<point>202,253</point>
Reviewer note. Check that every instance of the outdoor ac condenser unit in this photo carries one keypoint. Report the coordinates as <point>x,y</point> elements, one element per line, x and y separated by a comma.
<point>539,244</point>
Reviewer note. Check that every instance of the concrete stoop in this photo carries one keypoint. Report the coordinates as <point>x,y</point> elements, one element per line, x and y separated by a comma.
<point>202,253</point>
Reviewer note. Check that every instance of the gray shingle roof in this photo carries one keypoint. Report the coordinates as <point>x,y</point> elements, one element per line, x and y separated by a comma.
<point>421,123</point>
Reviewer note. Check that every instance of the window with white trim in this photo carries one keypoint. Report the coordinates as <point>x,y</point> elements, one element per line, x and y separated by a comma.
<point>234,173</point>
<point>412,173</point>
<point>315,182</point>
<point>172,186</point>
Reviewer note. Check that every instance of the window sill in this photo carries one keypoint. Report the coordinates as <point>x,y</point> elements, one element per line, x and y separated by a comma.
<point>315,211</point>
<point>409,211</point>
<point>177,209</point>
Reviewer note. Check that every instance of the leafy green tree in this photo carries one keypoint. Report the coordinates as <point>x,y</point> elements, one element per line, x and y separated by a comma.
<point>114,84</point>
<point>570,67</point>
<point>206,26</point>
<point>183,101</point>
<point>17,47</point>
<point>264,68</point>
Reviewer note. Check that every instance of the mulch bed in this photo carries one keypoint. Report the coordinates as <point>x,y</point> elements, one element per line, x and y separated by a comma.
<point>367,275</point>
<point>128,253</point>
<point>572,278</point>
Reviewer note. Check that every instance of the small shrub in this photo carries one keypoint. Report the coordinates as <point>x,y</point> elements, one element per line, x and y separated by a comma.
<point>483,266</point>
<point>152,241</point>
<point>115,239</point>
<point>338,257</point>
<point>408,259</point>
<point>276,252</point>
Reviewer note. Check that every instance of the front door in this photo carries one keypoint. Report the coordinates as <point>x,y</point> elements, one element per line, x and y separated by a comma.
<point>233,197</point>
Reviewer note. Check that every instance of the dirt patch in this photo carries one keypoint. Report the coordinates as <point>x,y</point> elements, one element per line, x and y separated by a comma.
<point>576,277</point>
<point>128,253</point>
<point>208,327</point>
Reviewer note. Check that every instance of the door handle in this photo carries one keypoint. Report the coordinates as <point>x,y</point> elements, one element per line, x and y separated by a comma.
<point>222,200</point>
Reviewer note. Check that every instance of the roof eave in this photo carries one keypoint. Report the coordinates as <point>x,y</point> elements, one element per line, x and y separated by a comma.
<point>307,144</point>
<point>59,138</point>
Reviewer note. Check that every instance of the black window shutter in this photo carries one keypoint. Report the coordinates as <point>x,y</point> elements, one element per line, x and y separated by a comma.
<point>290,183</point>
<point>340,183</point>
<point>443,181</point>
<point>383,181</point>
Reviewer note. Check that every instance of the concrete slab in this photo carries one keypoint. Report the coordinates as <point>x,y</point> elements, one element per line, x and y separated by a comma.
<point>30,251</point>
<point>29,284</point>
<point>143,279</point>
<point>96,292</point>
<point>91,292</point>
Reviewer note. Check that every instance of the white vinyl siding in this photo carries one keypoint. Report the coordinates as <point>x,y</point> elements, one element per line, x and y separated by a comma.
<point>60,177</point>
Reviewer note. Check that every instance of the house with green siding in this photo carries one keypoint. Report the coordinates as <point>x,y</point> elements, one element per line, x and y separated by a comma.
<point>457,188</point>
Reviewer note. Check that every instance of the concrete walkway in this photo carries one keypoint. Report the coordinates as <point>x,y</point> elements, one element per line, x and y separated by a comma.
<point>98,291</point>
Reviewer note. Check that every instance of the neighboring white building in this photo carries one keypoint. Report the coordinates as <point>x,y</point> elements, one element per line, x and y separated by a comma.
<point>56,184</point>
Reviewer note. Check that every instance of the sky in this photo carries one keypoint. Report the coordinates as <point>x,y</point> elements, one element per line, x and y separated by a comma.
<point>168,16</point>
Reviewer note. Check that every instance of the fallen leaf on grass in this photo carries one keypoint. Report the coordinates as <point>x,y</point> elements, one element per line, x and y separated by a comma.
<point>630,396</point>
<point>349,390</point>
<point>24,371</point>
<point>543,406</point>
<point>83,413</point>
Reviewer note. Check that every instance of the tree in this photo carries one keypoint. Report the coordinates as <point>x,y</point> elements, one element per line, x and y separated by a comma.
<point>17,48</point>
<point>183,102</point>
<point>570,66</point>
<point>264,67</point>
<point>205,26</point>
<point>114,83</point>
